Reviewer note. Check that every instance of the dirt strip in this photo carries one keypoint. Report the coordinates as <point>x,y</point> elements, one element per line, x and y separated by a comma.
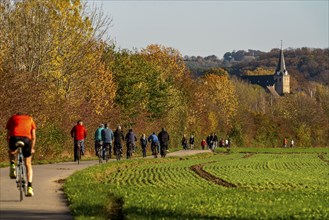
<point>322,157</point>
<point>198,169</point>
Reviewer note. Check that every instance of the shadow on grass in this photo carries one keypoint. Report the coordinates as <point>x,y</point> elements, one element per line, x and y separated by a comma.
<point>112,209</point>
<point>138,213</point>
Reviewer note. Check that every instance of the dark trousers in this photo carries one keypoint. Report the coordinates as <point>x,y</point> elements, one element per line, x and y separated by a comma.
<point>144,151</point>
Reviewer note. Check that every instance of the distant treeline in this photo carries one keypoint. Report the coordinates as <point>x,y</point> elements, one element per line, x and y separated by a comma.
<point>305,65</point>
<point>55,65</point>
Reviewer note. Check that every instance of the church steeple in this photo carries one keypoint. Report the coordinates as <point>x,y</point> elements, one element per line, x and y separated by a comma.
<point>281,68</point>
<point>281,76</point>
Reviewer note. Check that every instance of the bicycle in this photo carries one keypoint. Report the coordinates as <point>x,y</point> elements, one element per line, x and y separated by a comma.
<point>129,150</point>
<point>99,151</point>
<point>163,151</point>
<point>154,147</point>
<point>21,171</point>
<point>118,152</point>
<point>107,151</point>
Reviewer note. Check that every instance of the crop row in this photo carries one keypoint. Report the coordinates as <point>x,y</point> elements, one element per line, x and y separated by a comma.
<point>167,188</point>
<point>273,171</point>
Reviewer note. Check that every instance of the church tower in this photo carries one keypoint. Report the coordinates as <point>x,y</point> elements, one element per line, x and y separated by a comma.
<point>281,76</point>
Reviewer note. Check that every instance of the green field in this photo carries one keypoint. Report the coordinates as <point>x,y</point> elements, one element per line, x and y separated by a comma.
<point>263,186</point>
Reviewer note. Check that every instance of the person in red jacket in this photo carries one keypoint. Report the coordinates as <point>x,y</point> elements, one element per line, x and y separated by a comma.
<point>79,133</point>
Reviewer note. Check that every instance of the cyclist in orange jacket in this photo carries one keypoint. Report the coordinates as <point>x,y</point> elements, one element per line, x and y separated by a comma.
<point>21,127</point>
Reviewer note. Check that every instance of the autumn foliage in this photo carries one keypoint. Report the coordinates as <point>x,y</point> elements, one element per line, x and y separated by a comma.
<point>55,65</point>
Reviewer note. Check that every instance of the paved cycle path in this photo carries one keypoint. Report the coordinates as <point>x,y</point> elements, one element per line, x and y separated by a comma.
<point>48,201</point>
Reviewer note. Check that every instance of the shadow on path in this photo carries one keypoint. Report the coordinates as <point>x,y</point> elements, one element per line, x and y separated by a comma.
<point>33,214</point>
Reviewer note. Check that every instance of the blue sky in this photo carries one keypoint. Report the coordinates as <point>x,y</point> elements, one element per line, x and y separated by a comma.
<point>202,28</point>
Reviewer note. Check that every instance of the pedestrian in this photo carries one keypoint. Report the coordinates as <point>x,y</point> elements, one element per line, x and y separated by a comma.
<point>191,141</point>
<point>184,142</point>
<point>228,145</point>
<point>107,138</point>
<point>203,144</point>
<point>222,142</point>
<point>285,142</point>
<point>79,133</point>
<point>98,138</point>
<point>163,137</point>
<point>209,141</point>
<point>226,142</point>
<point>143,142</point>
<point>292,143</point>
<point>215,141</point>
<point>21,127</point>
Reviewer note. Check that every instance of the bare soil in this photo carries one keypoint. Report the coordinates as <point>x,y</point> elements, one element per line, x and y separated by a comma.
<point>198,169</point>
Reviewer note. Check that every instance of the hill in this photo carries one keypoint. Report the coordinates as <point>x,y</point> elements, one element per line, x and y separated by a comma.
<point>303,64</point>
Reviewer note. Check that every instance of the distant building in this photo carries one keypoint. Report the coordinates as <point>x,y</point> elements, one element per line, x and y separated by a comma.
<point>277,84</point>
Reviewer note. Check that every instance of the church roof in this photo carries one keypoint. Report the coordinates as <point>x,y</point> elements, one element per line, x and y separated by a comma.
<point>262,80</point>
<point>281,68</point>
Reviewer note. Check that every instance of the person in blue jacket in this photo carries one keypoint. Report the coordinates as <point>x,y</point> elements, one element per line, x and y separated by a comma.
<point>107,138</point>
<point>154,144</point>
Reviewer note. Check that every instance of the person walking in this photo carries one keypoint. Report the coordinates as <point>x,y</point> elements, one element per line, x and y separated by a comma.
<point>21,127</point>
<point>184,142</point>
<point>191,141</point>
<point>208,140</point>
<point>215,141</point>
<point>285,142</point>
<point>107,139</point>
<point>163,137</point>
<point>79,133</point>
<point>203,144</point>
<point>143,142</point>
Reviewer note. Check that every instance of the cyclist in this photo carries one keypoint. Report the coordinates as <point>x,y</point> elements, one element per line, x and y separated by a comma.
<point>79,133</point>
<point>154,144</point>
<point>118,138</point>
<point>130,139</point>
<point>21,127</point>
<point>98,138</point>
<point>107,138</point>
<point>163,137</point>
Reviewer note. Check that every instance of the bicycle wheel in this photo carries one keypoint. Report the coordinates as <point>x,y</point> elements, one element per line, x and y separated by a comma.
<point>19,180</point>
<point>129,149</point>
<point>163,152</point>
<point>118,153</point>
<point>99,154</point>
<point>24,179</point>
